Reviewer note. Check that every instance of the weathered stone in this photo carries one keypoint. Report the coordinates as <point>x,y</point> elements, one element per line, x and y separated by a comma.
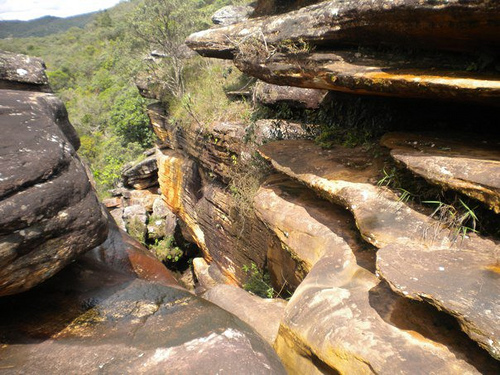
<point>208,275</point>
<point>342,318</point>
<point>462,282</point>
<point>343,176</point>
<point>231,14</point>
<point>297,97</point>
<point>470,166</point>
<point>381,74</point>
<point>21,72</point>
<point>92,319</point>
<point>49,213</point>
<point>307,227</point>
<point>117,214</point>
<point>114,202</point>
<point>211,216</point>
<point>276,130</point>
<point>263,315</point>
<point>426,24</point>
<point>141,175</point>
<point>144,198</point>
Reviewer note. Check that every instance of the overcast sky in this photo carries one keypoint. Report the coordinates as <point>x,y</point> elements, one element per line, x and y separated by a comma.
<point>30,9</point>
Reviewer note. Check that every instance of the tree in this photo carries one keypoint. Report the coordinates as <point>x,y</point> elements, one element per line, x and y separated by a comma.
<point>164,25</point>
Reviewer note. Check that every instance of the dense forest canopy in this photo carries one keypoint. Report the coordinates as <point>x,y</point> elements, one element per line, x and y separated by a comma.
<point>93,67</point>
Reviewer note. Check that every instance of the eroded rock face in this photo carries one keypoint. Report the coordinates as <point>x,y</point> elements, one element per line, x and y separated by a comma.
<point>211,215</point>
<point>469,166</point>
<point>49,213</point>
<point>297,97</point>
<point>141,175</point>
<point>263,315</point>
<point>270,7</point>
<point>341,317</point>
<point>21,72</point>
<point>344,177</point>
<point>93,319</point>
<point>424,24</point>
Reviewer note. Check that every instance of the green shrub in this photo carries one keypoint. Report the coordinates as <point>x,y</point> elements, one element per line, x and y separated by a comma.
<point>166,250</point>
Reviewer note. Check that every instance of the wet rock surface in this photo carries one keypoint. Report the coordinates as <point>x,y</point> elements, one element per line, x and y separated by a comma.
<point>91,317</point>
<point>49,212</point>
<point>470,166</point>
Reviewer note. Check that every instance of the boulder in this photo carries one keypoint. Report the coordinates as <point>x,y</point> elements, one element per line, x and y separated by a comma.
<point>21,72</point>
<point>468,164</point>
<point>262,314</point>
<point>49,213</point>
<point>92,319</point>
<point>208,275</point>
<point>296,97</point>
<point>141,175</point>
<point>232,14</point>
<point>454,25</point>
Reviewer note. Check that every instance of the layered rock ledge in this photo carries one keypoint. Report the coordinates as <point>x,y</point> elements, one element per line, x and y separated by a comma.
<point>346,177</point>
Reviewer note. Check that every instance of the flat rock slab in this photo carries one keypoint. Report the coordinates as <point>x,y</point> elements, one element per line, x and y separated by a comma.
<point>341,318</point>
<point>459,281</point>
<point>450,25</point>
<point>380,74</point>
<point>470,166</point>
<point>49,213</point>
<point>141,175</point>
<point>90,319</point>
<point>263,315</point>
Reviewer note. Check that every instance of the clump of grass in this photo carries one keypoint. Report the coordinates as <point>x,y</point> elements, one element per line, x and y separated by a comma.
<point>166,250</point>
<point>458,217</point>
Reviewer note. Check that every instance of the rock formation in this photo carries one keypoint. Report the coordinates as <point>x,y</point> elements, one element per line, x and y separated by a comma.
<point>49,212</point>
<point>116,309</point>
<point>381,285</point>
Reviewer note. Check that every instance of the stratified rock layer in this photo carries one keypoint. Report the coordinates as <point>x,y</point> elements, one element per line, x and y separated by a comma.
<point>343,176</point>
<point>469,166</point>
<point>297,97</point>
<point>450,25</point>
<point>141,175</point>
<point>49,213</point>
<point>92,319</point>
<point>341,317</point>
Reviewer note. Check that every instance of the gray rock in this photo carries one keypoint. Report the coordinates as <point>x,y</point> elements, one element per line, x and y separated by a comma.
<point>21,72</point>
<point>141,175</point>
<point>49,213</point>
<point>231,14</point>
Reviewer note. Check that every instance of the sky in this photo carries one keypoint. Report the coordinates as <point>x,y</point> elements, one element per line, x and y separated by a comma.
<point>31,9</point>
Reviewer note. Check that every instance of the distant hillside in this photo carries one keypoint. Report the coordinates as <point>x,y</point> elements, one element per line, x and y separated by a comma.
<point>43,26</point>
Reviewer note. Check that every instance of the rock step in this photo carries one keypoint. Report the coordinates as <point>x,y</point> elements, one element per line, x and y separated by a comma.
<point>21,72</point>
<point>470,166</point>
<point>341,317</point>
<point>381,74</point>
<point>345,177</point>
<point>452,25</point>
